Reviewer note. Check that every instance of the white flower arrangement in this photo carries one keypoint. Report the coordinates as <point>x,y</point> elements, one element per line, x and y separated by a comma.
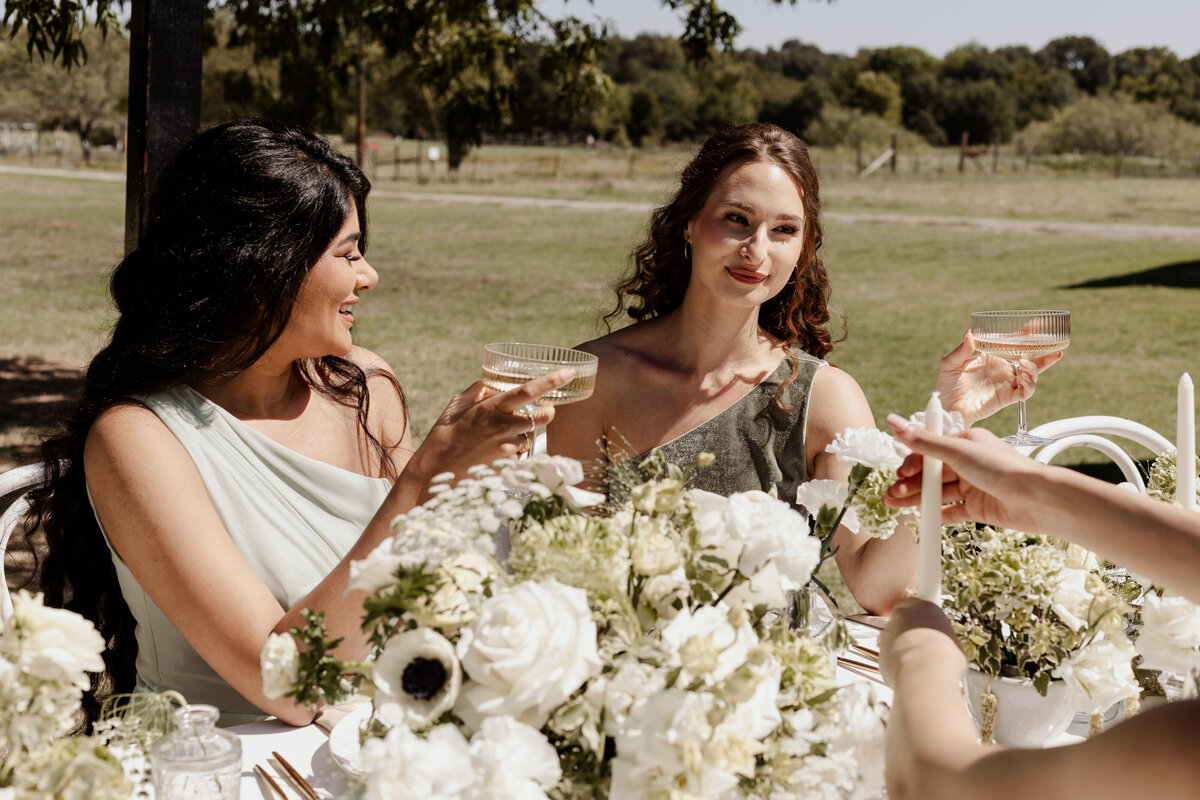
<point>45,657</point>
<point>1036,609</point>
<point>626,655</point>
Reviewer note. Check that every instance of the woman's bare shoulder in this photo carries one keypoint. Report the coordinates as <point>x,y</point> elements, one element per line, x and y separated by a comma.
<point>388,413</point>
<point>631,347</point>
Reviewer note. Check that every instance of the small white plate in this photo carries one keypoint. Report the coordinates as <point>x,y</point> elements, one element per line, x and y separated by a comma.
<point>344,741</point>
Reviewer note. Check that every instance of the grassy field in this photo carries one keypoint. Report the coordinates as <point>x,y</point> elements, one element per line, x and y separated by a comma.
<point>455,276</point>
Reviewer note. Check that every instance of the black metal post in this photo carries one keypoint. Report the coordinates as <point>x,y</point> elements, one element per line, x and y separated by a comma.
<point>165,50</point>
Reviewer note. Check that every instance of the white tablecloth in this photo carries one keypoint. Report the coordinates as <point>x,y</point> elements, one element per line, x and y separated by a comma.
<point>306,749</point>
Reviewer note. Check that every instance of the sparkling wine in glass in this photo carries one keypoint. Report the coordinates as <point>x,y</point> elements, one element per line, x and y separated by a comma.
<point>507,365</point>
<point>1014,335</point>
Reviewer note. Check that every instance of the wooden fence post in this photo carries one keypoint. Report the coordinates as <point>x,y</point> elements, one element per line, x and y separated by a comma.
<point>962,153</point>
<point>895,149</point>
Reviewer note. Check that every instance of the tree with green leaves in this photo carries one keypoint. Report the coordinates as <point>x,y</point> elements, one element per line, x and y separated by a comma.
<point>464,54</point>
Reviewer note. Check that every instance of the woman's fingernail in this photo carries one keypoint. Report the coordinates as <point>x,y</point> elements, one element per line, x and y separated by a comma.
<point>897,422</point>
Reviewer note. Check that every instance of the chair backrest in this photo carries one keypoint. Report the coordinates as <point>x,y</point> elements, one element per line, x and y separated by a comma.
<point>1094,432</point>
<point>19,479</point>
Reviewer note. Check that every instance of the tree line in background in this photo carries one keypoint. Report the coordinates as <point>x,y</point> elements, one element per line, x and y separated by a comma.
<point>1071,95</point>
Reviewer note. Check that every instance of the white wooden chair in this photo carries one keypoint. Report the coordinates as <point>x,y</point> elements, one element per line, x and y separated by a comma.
<point>1097,432</point>
<point>19,479</point>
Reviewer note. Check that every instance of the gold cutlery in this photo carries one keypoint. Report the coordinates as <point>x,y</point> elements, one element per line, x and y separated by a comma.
<point>274,787</point>
<point>863,650</point>
<point>868,671</point>
<point>296,778</point>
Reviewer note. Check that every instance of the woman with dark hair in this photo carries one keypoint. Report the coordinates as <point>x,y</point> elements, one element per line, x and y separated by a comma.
<point>233,451</point>
<point>730,302</point>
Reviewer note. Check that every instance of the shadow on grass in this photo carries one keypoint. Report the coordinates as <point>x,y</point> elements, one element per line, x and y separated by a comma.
<point>33,396</point>
<point>1180,275</point>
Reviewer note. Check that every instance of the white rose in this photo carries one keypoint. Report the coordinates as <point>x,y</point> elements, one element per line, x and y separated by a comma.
<point>529,649</point>
<point>376,571</point>
<point>419,672</point>
<point>658,497</point>
<point>513,761</point>
<point>449,603</point>
<point>543,475</point>
<point>627,692</point>
<point>280,662</point>
<point>1070,598</point>
<point>764,588</point>
<point>403,766</point>
<point>655,551</point>
<point>772,531</point>
<point>664,595</point>
<point>1170,637</point>
<point>51,644</point>
<point>870,447</point>
<point>1099,674</point>
<point>706,645</point>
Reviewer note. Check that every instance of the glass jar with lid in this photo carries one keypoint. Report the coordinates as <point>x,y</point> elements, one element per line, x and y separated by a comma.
<point>197,760</point>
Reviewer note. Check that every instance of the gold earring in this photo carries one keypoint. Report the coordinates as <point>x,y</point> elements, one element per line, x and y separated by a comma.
<point>687,251</point>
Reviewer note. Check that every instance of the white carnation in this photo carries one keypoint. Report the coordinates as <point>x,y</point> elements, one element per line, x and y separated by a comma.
<point>512,761</point>
<point>772,531</point>
<point>870,447</point>
<point>403,766</point>
<point>817,494</point>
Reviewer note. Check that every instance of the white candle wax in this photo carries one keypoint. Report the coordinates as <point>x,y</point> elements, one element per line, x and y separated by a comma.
<point>1185,445</point>
<point>929,555</point>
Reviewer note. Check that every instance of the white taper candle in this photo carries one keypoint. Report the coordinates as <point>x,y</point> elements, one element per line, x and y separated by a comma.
<point>929,555</point>
<point>1185,445</point>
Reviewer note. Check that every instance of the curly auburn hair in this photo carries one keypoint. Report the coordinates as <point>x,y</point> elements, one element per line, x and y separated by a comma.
<point>659,271</point>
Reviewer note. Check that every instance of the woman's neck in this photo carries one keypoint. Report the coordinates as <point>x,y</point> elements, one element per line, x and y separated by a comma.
<point>707,340</point>
<point>262,391</point>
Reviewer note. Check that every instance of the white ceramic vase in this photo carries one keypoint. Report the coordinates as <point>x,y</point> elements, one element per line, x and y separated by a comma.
<point>1023,717</point>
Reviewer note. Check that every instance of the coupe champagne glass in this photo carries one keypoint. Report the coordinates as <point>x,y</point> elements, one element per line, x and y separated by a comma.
<point>507,365</point>
<point>1014,335</point>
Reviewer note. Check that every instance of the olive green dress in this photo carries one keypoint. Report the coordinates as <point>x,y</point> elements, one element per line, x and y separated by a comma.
<point>758,441</point>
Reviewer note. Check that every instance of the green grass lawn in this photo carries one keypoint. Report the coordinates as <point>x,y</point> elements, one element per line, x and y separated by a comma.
<point>456,276</point>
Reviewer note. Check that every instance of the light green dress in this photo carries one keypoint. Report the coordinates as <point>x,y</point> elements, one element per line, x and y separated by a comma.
<point>291,516</point>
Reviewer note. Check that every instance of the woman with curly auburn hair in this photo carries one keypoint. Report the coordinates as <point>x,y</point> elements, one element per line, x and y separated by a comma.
<point>729,299</point>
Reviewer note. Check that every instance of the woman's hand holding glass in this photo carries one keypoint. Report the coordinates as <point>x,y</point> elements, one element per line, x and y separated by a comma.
<point>979,384</point>
<point>479,426</point>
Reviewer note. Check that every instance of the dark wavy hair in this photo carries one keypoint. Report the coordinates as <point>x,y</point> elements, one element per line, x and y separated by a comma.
<point>659,273</point>
<point>237,220</point>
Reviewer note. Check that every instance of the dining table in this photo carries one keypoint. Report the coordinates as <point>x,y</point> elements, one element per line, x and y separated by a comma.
<point>307,748</point>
